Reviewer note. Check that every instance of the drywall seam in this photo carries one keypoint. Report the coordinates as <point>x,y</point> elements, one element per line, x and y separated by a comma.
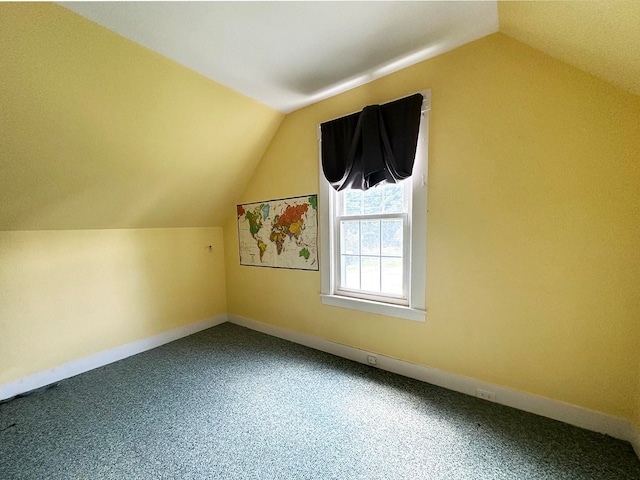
<point>572,414</point>
<point>82,365</point>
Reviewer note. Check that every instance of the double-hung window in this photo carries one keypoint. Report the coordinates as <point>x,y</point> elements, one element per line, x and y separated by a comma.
<point>373,242</point>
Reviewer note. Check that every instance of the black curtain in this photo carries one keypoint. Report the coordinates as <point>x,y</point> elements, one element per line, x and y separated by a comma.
<point>375,145</point>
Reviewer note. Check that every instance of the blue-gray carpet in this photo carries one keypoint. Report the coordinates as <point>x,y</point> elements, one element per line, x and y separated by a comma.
<point>231,403</point>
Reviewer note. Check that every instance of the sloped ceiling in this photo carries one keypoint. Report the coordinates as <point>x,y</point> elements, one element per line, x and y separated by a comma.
<point>99,132</point>
<point>600,37</point>
<point>291,54</point>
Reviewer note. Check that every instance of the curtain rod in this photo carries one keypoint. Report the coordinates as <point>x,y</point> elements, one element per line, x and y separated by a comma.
<point>426,106</point>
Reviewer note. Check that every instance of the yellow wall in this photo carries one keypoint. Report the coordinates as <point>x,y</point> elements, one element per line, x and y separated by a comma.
<point>534,196</point>
<point>97,131</point>
<point>69,294</point>
<point>637,412</point>
<point>600,37</point>
<point>534,199</point>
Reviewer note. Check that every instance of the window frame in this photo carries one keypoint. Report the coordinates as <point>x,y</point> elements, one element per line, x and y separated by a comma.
<point>414,308</point>
<point>401,299</point>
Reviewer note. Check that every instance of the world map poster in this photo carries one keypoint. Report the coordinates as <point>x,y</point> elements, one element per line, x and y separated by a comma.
<point>279,233</point>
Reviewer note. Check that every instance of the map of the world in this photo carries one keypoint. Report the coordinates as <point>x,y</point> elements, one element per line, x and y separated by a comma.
<point>279,233</point>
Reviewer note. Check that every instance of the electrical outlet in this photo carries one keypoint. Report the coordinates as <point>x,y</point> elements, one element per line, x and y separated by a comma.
<point>486,395</point>
<point>372,360</point>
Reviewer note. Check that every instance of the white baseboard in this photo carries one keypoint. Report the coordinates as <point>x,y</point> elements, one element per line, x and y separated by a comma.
<point>546,407</point>
<point>574,415</point>
<point>76,367</point>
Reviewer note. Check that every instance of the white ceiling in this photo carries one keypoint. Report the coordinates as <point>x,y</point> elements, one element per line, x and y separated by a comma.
<point>290,54</point>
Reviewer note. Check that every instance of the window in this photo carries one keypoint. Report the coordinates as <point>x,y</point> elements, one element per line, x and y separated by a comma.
<point>373,243</point>
<point>370,246</point>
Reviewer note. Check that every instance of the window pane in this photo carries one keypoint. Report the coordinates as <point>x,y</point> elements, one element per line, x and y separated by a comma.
<point>350,275</point>
<point>371,251</point>
<point>392,237</point>
<point>373,200</point>
<point>370,237</point>
<point>352,202</point>
<point>393,197</point>
<point>350,237</point>
<point>371,274</point>
<point>392,275</point>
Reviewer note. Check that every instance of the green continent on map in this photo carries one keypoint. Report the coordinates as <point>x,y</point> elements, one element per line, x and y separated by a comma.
<point>304,253</point>
<point>255,220</point>
<point>255,224</point>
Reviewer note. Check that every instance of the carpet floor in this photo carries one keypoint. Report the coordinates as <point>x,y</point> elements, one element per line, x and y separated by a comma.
<point>231,403</point>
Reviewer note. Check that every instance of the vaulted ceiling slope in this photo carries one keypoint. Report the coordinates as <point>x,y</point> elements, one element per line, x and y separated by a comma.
<point>291,54</point>
<point>97,131</point>
<point>600,37</point>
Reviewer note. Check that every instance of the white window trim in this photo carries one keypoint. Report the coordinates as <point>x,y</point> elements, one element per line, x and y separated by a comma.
<point>418,248</point>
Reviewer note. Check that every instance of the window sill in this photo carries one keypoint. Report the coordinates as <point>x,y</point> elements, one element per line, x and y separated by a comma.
<point>387,309</point>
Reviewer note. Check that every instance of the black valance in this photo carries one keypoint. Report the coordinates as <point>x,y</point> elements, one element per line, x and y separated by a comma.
<point>375,145</point>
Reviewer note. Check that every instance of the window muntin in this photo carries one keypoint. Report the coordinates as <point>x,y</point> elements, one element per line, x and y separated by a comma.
<point>372,242</point>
